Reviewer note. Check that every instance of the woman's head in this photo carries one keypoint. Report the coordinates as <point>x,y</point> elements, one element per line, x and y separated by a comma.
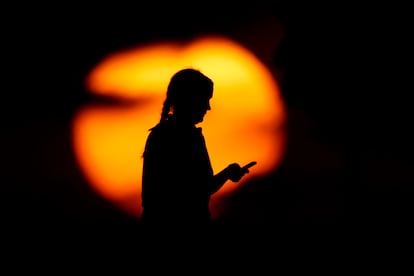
<point>188,95</point>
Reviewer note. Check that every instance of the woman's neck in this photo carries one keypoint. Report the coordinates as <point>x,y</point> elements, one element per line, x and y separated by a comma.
<point>181,119</point>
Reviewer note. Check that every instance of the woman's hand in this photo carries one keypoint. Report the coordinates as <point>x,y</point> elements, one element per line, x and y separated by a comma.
<point>235,172</point>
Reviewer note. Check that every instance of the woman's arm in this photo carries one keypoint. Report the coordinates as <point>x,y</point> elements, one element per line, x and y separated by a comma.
<point>232,172</point>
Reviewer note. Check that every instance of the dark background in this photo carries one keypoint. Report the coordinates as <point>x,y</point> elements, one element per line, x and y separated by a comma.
<point>343,71</point>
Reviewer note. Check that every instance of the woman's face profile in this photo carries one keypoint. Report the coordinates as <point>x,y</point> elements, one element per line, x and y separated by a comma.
<point>194,110</point>
<point>200,109</point>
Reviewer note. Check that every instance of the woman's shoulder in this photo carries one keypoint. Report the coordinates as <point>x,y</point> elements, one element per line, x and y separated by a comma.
<point>161,127</point>
<point>162,130</point>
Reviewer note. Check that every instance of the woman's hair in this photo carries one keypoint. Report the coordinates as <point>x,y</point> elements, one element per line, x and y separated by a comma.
<point>184,87</point>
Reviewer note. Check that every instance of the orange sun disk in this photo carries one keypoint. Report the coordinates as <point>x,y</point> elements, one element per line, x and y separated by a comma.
<point>246,122</point>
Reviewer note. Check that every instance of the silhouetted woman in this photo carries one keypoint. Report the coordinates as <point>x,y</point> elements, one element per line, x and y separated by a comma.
<point>178,179</point>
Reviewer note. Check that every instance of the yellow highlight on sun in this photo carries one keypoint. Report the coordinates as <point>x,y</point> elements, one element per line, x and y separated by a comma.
<point>246,122</point>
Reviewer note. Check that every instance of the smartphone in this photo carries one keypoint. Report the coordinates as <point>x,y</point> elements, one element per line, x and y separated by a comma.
<point>251,164</point>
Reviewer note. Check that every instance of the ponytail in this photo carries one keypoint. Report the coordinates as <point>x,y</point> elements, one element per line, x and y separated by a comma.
<point>166,108</point>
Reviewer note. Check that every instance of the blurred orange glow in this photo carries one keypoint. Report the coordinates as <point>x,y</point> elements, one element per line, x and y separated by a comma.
<point>246,122</point>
